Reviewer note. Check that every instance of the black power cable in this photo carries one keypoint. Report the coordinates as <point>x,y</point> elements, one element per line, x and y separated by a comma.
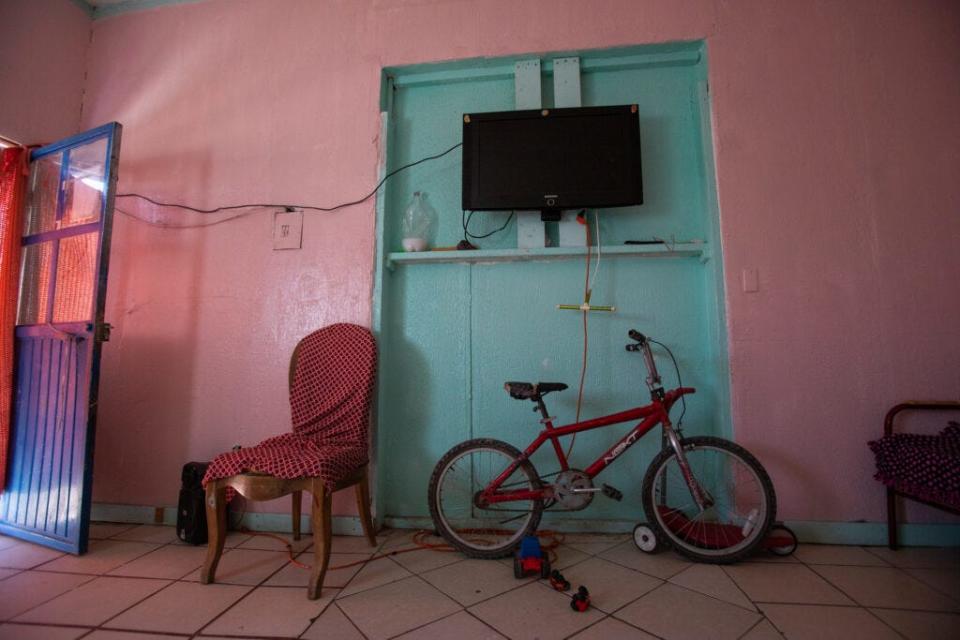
<point>676,367</point>
<point>293,206</point>
<point>465,221</point>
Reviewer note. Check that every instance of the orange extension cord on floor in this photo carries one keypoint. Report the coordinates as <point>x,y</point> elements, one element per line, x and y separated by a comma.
<point>419,539</point>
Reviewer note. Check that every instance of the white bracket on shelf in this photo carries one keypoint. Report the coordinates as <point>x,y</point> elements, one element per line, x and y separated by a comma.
<point>527,95</point>
<point>526,84</point>
<point>566,93</point>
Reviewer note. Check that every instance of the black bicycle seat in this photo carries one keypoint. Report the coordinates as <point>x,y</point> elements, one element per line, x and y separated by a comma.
<point>531,391</point>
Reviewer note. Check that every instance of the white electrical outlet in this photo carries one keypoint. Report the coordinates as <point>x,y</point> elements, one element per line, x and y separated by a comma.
<point>288,230</point>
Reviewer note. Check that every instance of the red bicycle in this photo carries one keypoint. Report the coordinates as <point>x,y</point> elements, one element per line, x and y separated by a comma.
<point>709,498</point>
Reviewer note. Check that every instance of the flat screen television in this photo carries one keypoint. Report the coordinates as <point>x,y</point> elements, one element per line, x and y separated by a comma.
<point>552,159</point>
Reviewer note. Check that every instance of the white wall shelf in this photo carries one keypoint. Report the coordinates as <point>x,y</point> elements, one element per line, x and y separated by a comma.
<point>674,250</point>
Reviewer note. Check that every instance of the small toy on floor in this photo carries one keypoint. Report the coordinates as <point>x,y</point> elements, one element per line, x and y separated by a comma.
<point>530,559</point>
<point>580,600</point>
<point>558,582</point>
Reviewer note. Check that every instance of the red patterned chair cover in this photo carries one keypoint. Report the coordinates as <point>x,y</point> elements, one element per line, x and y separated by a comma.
<point>330,397</point>
<point>921,466</point>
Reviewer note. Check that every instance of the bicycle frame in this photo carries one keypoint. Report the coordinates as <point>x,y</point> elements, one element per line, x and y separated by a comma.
<point>657,412</point>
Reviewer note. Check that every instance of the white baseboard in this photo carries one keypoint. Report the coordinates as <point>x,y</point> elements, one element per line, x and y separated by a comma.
<point>255,521</point>
<point>808,531</point>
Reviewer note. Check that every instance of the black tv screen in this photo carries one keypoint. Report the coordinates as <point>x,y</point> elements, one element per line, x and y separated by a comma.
<point>552,159</point>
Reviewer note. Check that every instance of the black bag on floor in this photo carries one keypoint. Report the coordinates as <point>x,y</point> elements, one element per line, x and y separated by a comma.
<point>191,512</point>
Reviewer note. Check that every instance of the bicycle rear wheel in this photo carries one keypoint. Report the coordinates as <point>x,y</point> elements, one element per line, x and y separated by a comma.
<point>744,503</point>
<point>482,532</point>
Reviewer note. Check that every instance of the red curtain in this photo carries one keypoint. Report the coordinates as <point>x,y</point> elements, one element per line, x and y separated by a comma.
<point>13,172</point>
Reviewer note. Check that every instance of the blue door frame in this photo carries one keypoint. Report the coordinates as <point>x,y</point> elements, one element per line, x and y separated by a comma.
<point>60,329</point>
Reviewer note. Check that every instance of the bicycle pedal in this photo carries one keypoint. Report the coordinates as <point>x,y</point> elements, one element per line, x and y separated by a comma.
<point>613,494</point>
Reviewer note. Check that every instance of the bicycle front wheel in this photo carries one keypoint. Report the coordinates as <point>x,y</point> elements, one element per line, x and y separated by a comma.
<point>488,531</point>
<point>742,503</point>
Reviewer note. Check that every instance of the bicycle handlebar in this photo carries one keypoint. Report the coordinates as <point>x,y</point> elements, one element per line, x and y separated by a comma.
<point>643,344</point>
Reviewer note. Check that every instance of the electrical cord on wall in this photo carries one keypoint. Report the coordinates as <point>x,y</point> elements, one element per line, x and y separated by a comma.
<point>596,268</point>
<point>465,221</point>
<point>164,225</point>
<point>587,291</point>
<point>676,367</point>
<point>342,205</point>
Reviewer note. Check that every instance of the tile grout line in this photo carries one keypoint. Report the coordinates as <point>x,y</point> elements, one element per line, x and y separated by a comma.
<point>257,586</point>
<point>354,577</point>
<point>848,595</point>
<point>425,624</point>
<point>496,595</point>
<point>955,598</point>
<point>870,551</point>
<point>884,622</point>
<point>859,604</point>
<point>630,624</point>
<point>87,629</point>
<point>739,588</point>
<point>347,618</point>
<point>39,569</point>
<point>613,614</point>
<point>757,624</point>
<point>536,581</point>
<point>587,557</point>
<point>166,586</point>
<point>40,604</point>
<point>446,595</point>
<point>705,595</point>
<point>667,579</point>
<point>589,626</point>
<point>170,582</point>
<point>673,584</point>
<point>856,606</point>
<point>779,631</point>
<point>483,622</point>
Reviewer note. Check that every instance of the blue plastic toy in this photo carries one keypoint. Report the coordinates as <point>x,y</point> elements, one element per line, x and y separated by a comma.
<point>530,559</point>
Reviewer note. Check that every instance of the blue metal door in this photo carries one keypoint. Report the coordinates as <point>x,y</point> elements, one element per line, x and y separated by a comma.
<point>60,328</point>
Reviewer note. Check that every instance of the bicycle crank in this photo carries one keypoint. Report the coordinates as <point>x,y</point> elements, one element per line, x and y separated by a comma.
<point>573,490</point>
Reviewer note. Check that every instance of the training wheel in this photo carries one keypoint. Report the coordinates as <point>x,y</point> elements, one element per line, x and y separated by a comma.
<point>781,540</point>
<point>646,539</point>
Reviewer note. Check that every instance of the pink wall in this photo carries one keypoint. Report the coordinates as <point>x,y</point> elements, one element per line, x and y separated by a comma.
<point>43,47</point>
<point>836,135</point>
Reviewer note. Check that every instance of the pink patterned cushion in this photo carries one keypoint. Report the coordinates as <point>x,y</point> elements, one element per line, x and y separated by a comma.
<point>330,398</point>
<point>926,467</point>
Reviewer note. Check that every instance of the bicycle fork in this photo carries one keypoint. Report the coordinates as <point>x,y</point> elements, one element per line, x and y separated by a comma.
<point>700,495</point>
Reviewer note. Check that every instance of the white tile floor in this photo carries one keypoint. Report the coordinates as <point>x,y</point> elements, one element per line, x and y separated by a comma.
<point>140,583</point>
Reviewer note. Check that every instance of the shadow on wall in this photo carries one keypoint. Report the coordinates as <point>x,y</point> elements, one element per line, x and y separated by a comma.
<point>406,373</point>
<point>149,366</point>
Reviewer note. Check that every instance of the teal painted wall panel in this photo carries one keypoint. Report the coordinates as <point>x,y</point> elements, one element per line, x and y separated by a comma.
<point>424,408</point>
<point>519,335</point>
<point>673,202</point>
<point>453,333</point>
<point>428,120</point>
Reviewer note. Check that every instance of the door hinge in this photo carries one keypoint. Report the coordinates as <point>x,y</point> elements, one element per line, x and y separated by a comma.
<point>102,333</point>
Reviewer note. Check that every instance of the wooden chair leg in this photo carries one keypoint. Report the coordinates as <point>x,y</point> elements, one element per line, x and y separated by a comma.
<point>216,507</point>
<point>295,513</point>
<point>320,521</point>
<point>363,508</point>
